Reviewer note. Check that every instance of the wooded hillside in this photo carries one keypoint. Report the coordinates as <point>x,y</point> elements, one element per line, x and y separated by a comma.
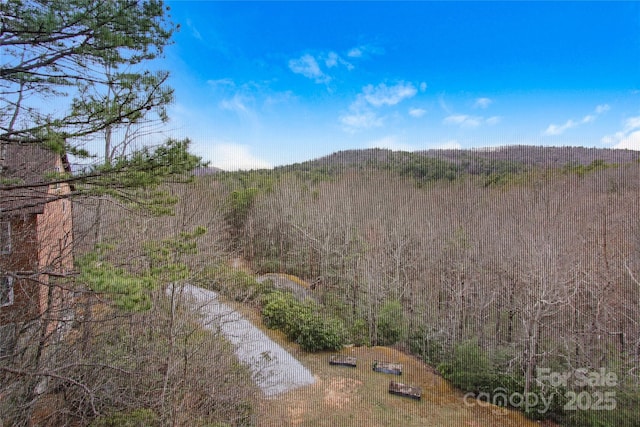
<point>490,275</point>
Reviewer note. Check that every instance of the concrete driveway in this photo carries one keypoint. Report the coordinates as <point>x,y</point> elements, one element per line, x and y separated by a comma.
<point>274,369</point>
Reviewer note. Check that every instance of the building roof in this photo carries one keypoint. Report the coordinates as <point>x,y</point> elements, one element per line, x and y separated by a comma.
<point>23,178</point>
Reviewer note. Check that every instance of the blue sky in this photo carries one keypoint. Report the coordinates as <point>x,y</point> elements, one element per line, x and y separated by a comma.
<point>262,84</point>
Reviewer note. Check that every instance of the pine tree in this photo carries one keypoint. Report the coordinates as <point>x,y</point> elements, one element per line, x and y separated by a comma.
<point>93,57</point>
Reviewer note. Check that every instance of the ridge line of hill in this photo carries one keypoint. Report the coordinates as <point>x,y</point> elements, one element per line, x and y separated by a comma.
<point>526,155</point>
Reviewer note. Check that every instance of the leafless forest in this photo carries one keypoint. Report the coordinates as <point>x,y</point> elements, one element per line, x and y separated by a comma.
<point>524,268</point>
<point>487,277</point>
<point>546,269</point>
<point>530,267</point>
<point>537,269</point>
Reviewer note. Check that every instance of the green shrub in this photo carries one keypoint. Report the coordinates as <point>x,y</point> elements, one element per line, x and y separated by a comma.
<point>470,370</point>
<point>301,322</point>
<point>282,311</point>
<point>316,333</point>
<point>625,414</point>
<point>391,323</point>
<point>359,332</point>
<point>267,263</point>
<point>427,344</point>
<point>234,283</point>
<point>126,290</point>
<point>135,418</point>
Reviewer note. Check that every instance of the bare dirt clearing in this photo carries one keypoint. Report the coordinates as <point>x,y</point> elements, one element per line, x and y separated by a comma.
<point>347,396</point>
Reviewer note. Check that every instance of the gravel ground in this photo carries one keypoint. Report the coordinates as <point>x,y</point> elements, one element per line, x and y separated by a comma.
<point>274,369</point>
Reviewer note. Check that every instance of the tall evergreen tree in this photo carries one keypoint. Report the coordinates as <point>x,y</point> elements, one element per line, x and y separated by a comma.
<point>91,59</point>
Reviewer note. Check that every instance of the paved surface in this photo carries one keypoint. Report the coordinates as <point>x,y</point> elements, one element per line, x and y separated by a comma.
<point>274,369</point>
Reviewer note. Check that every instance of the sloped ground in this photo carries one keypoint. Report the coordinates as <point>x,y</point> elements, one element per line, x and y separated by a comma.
<point>343,396</point>
<point>307,391</point>
<point>274,369</point>
<point>283,281</point>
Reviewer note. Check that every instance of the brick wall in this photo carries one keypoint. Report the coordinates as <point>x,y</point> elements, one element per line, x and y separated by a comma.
<point>42,244</point>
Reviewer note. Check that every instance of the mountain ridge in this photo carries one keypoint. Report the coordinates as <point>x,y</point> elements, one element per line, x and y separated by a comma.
<point>526,155</point>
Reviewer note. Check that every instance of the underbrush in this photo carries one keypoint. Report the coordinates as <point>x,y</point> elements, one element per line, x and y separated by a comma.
<point>302,322</point>
<point>149,368</point>
<point>484,377</point>
<point>166,371</point>
<point>234,284</point>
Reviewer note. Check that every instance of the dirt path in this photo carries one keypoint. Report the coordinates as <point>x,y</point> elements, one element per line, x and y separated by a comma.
<point>274,369</point>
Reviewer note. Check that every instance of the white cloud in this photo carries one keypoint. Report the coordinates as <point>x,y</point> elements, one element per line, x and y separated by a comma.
<point>230,156</point>
<point>363,50</point>
<point>390,143</point>
<point>463,120</point>
<point>359,120</point>
<point>194,31</point>
<point>632,123</point>
<point>362,112</point>
<point>198,126</point>
<point>332,60</point>
<point>355,52</point>
<point>221,83</point>
<point>444,105</point>
<point>417,112</point>
<point>308,67</point>
<point>423,86</point>
<point>554,129</point>
<point>279,98</point>
<point>628,137</point>
<point>449,145</point>
<point>468,120</point>
<point>388,95</point>
<point>236,104</point>
<point>247,99</point>
<point>612,139</point>
<point>482,103</point>
<point>630,141</point>
<point>493,120</point>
